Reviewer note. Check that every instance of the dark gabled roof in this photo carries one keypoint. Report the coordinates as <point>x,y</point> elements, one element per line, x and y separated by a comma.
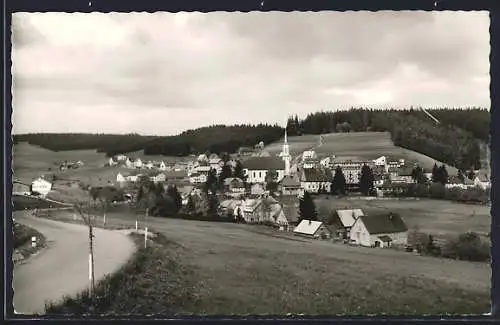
<point>384,223</point>
<point>175,174</point>
<point>289,181</point>
<point>316,175</point>
<point>264,163</point>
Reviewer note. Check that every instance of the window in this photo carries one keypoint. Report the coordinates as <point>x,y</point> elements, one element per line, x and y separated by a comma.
<point>260,174</point>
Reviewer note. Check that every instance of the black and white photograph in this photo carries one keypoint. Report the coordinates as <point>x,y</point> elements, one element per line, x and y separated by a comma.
<point>258,163</point>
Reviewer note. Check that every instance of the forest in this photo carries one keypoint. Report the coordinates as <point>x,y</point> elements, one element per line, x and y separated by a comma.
<point>215,139</point>
<point>456,140</point>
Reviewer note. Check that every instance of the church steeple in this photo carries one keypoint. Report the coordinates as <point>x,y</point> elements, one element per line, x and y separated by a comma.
<point>286,155</point>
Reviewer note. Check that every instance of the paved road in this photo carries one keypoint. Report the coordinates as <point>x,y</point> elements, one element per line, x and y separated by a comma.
<point>62,268</point>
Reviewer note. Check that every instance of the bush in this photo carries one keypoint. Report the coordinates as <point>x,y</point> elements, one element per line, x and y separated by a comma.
<point>437,191</point>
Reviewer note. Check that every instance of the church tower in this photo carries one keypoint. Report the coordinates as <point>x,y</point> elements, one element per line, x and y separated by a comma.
<point>286,155</point>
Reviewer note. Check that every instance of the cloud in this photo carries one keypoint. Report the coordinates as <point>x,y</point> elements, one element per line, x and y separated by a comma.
<point>162,73</point>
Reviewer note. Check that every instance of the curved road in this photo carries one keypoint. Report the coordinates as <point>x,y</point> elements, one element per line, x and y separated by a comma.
<point>62,268</point>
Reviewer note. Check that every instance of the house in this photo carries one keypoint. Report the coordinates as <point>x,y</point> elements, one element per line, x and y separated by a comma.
<point>234,186</point>
<point>162,166</point>
<point>245,151</point>
<point>175,175</point>
<point>456,182</point>
<point>112,162</point>
<point>315,181</point>
<point>310,163</point>
<point>290,208</point>
<point>121,158</point>
<point>257,189</point>
<point>138,163</point>
<point>20,188</point>
<point>382,230</point>
<point>129,163</point>
<point>252,210</point>
<point>203,169</point>
<point>41,186</point>
<point>273,212</point>
<point>380,161</point>
<point>120,178</point>
<point>160,177</point>
<point>202,158</point>
<point>290,186</point>
<point>309,154</point>
<point>149,165</point>
<point>197,178</point>
<point>326,162</point>
<point>346,219</point>
<point>482,180</point>
<point>256,168</point>
<point>402,175</point>
<point>351,169</point>
<point>314,229</point>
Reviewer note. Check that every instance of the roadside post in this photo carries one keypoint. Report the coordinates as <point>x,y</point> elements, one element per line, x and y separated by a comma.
<point>146,237</point>
<point>33,241</point>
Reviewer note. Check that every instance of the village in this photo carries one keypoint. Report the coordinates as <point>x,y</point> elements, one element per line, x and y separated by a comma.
<point>258,188</point>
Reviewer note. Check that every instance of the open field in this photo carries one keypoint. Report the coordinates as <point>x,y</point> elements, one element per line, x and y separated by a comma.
<point>430,216</point>
<point>298,144</point>
<point>357,145</point>
<point>242,269</point>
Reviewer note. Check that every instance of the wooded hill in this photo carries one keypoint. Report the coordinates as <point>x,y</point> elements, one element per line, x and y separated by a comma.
<point>456,140</point>
<point>216,138</point>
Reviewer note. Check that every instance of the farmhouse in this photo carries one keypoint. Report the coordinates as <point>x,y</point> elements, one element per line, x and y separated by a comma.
<point>202,158</point>
<point>256,168</point>
<point>129,163</point>
<point>351,170</point>
<point>314,229</point>
<point>149,165</point>
<point>345,220</point>
<point>160,177</point>
<point>252,210</point>
<point>41,186</point>
<point>382,230</point>
<point>326,162</point>
<point>121,157</point>
<point>162,166</point>
<point>112,161</point>
<point>380,161</point>
<point>315,181</point>
<point>289,186</point>
<point>120,178</point>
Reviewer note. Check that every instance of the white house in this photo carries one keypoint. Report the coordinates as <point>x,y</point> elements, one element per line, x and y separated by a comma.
<point>380,161</point>
<point>41,186</point>
<point>202,158</point>
<point>347,218</point>
<point>138,163</point>
<point>381,230</point>
<point>315,181</point>
<point>120,178</point>
<point>482,181</point>
<point>309,154</point>
<point>257,189</point>
<point>326,162</point>
<point>160,177</point>
<point>256,168</point>
<point>290,186</point>
<point>129,163</point>
<point>197,178</point>
<point>149,165</point>
<point>121,157</point>
<point>314,229</point>
<point>162,166</point>
<point>112,162</point>
<point>455,182</point>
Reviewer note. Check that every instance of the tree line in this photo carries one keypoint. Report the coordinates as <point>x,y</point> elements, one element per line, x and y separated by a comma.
<point>456,140</point>
<point>214,139</point>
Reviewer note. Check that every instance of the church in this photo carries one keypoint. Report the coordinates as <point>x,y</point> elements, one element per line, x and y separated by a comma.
<point>256,168</point>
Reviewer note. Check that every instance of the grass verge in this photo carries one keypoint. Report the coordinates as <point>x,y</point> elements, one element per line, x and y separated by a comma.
<point>152,282</point>
<point>22,242</point>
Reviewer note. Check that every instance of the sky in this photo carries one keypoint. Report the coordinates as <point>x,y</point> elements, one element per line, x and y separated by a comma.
<point>163,73</point>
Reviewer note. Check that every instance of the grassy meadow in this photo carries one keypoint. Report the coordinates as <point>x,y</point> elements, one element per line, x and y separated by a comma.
<point>204,268</point>
<point>430,216</point>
